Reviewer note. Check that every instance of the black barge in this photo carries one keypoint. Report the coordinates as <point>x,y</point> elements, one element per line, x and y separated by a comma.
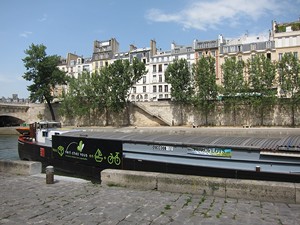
<point>88,153</point>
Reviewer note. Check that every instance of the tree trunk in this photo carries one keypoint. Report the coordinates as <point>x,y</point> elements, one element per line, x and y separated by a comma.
<point>127,113</point>
<point>261,115</point>
<point>293,113</point>
<point>181,113</point>
<point>106,116</point>
<point>51,109</point>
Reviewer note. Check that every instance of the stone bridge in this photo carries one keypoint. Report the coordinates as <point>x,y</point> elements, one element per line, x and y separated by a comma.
<point>14,114</point>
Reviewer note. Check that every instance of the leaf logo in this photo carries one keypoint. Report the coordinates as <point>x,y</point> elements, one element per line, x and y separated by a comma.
<point>80,146</point>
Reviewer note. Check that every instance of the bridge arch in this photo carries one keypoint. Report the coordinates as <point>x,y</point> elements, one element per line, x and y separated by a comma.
<point>9,121</point>
<point>13,114</point>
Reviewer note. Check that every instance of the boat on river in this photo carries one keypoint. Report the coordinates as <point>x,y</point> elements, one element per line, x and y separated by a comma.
<point>89,152</point>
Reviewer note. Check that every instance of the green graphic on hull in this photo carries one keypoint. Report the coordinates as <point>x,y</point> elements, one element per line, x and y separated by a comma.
<point>114,159</point>
<point>61,150</point>
<point>80,146</point>
<point>98,156</point>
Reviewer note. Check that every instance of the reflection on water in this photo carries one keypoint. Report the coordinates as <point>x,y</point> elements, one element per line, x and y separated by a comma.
<point>9,147</point>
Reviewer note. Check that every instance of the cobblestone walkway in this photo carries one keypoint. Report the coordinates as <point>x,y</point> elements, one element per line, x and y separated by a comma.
<point>29,200</point>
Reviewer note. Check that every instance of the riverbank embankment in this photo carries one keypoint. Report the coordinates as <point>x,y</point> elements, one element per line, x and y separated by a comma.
<point>8,131</point>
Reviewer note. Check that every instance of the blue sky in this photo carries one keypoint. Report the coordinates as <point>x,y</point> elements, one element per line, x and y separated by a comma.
<point>71,26</point>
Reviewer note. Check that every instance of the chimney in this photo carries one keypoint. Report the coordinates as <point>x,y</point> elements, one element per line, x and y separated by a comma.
<point>153,50</point>
<point>132,47</point>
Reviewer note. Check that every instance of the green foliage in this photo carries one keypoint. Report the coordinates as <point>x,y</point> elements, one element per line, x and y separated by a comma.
<point>234,85</point>
<point>205,84</point>
<point>179,76</point>
<point>262,73</point>
<point>42,70</point>
<point>289,80</point>
<point>106,91</point>
<point>233,74</point>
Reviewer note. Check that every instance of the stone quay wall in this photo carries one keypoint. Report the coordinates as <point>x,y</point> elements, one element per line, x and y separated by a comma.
<point>170,114</point>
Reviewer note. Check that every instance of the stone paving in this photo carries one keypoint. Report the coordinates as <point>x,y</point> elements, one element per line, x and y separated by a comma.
<point>29,200</point>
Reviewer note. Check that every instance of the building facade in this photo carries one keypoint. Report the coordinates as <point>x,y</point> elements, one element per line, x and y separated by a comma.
<point>287,38</point>
<point>103,53</point>
<point>282,38</point>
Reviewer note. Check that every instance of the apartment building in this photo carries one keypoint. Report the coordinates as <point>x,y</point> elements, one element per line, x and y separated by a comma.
<point>141,90</point>
<point>283,37</point>
<point>244,48</point>
<point>155,86</point>
<point>209,48</point>
<point>287,38</point>
<point>73,65</point>
<point>103,53</point>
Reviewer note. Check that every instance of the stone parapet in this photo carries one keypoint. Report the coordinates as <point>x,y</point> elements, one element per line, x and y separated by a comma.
<point>268,191</point>
<point>20,167</point>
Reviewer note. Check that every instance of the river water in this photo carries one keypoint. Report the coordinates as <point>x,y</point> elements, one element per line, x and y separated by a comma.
<point>9,147</point>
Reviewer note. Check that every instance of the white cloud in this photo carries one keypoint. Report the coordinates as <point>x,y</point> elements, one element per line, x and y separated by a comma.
<point>204,15</point>
<point>25,34</point>
<point>44,18</point>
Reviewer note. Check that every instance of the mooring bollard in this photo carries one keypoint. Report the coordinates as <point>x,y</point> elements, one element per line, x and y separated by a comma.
<point>257,168</point>
<point>49,175</point>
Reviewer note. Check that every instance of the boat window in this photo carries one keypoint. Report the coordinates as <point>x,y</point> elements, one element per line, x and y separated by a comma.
<point>45,134</point>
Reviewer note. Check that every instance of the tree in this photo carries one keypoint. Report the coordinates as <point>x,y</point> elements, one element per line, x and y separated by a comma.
<point>122,77</point>
<point>80,99</point>
<point>103,92</point>
<point>262,73</point>
<point>205,84</point>
<point>234,84</point>
<point>289,81</point>
<point>43,71</point>
<point>179,76</point>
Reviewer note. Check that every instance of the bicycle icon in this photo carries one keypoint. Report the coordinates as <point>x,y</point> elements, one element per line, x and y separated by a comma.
<point>114,159</point>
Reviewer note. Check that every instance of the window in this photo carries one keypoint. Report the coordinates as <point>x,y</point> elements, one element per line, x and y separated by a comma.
<point>154,69</point>
<point>106,63</point>
<point>154,89</point>
<point>279,56</point>
<point>160,68</point>
<point>269,56</point>
<point>144,61</point>
<point>296,55</point>
<point>154,79</point>
<point>134,90</point>
<point>160,78</point>
<point>160,88</point>
<point>166,88</point>
<point>165,67</point>
<point>144,88</point>
<point>144,79</point>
